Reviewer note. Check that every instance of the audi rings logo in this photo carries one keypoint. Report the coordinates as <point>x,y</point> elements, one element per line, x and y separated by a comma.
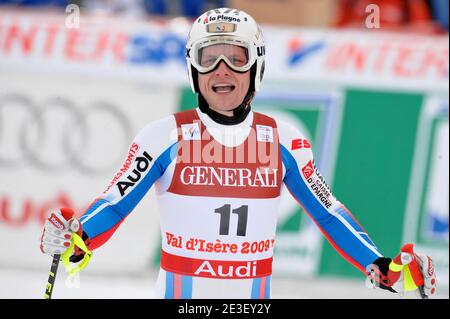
<point>59,135</point>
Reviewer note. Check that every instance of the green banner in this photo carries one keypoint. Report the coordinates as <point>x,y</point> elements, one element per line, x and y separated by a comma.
<point>373,168</point>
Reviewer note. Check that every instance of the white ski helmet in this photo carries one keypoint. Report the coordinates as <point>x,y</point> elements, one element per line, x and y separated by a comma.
<point>225,26</point>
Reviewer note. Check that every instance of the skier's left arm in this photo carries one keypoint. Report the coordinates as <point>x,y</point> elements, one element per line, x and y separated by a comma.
<point>334,220</point>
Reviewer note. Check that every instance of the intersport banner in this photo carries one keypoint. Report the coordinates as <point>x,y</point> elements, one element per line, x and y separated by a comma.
<point>154,51</point>
<point>363,58</point>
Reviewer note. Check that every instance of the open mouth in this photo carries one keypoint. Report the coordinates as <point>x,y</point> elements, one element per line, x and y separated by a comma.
<point>223,88</point>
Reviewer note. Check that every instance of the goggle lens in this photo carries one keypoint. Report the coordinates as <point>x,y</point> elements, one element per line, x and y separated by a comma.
<point>236,55</point>
<point>208,54</point>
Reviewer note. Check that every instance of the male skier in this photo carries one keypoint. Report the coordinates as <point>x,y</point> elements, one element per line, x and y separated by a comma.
<point>218,171</point>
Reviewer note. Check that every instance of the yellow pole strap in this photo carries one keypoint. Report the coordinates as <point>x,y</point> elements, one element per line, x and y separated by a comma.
<point>395,267</point>
<point>408,281</point>
<point>79,242</point>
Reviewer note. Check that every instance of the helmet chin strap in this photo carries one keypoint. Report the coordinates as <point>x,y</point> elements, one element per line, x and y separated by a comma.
<point>239,113</point>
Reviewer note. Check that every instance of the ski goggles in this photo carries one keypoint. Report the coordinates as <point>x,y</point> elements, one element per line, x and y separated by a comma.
<point>207,54</point>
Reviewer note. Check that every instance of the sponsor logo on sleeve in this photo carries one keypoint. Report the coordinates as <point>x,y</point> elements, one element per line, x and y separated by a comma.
<point>317,184</point>
<point>141,165</point>
<point>125,166</point>
<point>300,143</point>
<point>308,170</point>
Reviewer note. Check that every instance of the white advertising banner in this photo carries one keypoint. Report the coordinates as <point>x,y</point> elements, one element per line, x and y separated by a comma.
<point>62,141</point>
<point>154,51</point>
<point>358,58</point>
<point>99,46</point>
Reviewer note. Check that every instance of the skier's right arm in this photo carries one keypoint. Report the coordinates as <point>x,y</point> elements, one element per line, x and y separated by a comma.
<point>148,156</point>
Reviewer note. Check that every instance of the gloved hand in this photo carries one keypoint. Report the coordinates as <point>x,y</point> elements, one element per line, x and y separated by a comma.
<point>408,271</point>
<point>58,231</point>
<point>63,235</point>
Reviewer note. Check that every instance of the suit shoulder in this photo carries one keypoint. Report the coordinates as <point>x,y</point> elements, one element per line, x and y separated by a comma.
<point>157,127</point>
<point>158,135</point>
<point>288,131</point>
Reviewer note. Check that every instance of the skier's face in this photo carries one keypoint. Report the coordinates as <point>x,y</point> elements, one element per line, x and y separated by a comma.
<point>223,88</point>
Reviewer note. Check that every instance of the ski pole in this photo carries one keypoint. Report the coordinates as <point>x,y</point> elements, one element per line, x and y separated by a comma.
<point>67,214</point>
<point>52,277</point>
<point>422,293</point>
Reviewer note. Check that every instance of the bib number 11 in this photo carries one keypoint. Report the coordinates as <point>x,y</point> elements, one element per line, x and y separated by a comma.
<point>225,215</point>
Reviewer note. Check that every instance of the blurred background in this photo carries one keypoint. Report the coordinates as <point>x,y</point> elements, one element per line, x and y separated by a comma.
<point>366,81</point>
